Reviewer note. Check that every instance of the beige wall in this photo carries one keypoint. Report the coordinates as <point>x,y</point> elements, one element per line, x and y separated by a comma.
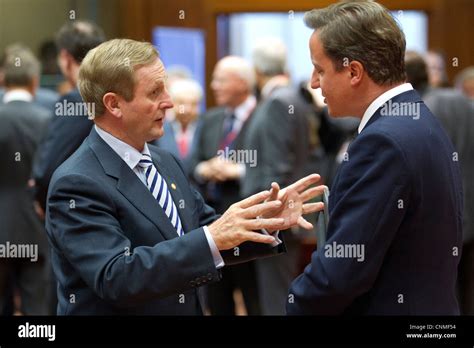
<point>33,21</point>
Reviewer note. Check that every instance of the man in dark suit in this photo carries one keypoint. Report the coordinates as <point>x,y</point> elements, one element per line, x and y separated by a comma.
<point>218,176</point>
<point>395,210</point>
<point>279,133</point>
<point>23,244</point>
<point>129,235</point>
<point>70,124</point>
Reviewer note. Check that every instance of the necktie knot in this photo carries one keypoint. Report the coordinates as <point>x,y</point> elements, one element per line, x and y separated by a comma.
<point>145,161</point>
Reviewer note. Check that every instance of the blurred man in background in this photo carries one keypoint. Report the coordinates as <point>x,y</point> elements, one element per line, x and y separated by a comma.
<point>279,132</point>
<point>70,124</point>
<point>24,255</point>
<point>218,176</point>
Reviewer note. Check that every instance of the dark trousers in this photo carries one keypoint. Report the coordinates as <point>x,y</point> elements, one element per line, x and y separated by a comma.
<point>32,280</point>
<point>275,274</point>
<point>220,295</point>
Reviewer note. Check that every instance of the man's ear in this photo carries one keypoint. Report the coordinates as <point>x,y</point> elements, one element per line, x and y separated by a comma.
<point>111,103</point>
<point>356,70</point>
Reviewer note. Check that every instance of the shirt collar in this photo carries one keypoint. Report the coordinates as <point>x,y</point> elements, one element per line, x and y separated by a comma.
<point>17,95</point>
<point>243,111</point>
<point>380,100</point>
<point>178,130</point>
<point>128,153</point>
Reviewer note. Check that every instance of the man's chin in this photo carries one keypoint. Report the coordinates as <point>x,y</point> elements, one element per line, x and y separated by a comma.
<point>156,134</point>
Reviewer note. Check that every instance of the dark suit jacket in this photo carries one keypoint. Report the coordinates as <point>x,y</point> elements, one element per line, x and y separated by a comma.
<point>65,134</point>
<point>168,142</point>
<point>456,114</point>
<point>99,210</point>
<point>399,195</point>
<point>280,139</point>
<point>22,125</point>
<point>207,146</point>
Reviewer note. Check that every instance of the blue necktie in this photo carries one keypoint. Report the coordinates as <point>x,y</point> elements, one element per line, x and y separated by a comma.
<point>159,189</point>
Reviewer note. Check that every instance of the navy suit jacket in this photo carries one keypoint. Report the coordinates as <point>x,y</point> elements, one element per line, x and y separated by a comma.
<point>399,195</point>
<point>114,250</point>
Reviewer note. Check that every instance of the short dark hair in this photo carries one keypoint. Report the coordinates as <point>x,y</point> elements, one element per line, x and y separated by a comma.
<point>417,71</point>
<point>363,31</point>
<point>78,38</point>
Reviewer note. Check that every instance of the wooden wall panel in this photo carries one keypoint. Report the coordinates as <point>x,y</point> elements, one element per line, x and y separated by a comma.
<point>450,21</point>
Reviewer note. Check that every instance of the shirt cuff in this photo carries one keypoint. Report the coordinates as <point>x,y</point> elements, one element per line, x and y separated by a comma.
<point>216,255</point>
<point>277,240</point>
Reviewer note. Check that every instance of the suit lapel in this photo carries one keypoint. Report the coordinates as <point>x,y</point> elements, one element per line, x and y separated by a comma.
<point>130,186</point>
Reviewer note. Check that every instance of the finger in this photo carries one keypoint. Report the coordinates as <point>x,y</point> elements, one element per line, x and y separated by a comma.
<point>257,238</point>
<point>312,207</point>
<point>303,223</point>
<point>262,209</point>
<point>312,192</point>
<point>270,224</point>
<point>303,183</point>
<point>254,199</point>
<point>274,191</point>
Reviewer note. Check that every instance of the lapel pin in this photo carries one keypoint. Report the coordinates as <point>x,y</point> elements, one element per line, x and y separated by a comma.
<point>173,186</point>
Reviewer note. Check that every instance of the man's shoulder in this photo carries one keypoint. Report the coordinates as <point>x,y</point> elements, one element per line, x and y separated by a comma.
<point>213,114</point>
<point>82,162</point>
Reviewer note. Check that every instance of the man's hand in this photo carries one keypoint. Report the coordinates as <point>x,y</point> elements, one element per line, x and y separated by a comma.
<point>237,224</point>
<point>218,169</point>
<point>294,198</point>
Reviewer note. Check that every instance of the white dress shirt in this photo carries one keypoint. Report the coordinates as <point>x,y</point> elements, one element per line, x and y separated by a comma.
<point>132,156</point>
<point>17,94</point>
<point>380,100</point>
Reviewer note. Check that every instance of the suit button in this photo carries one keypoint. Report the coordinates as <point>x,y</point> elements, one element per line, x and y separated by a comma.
<point>209,276</point>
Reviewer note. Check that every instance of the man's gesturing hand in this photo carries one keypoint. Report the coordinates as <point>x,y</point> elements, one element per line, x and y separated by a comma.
<point>294,198</point>
<point>237,224</point>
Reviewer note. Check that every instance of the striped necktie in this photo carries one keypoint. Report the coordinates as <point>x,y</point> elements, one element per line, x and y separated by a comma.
<point>159,189</point>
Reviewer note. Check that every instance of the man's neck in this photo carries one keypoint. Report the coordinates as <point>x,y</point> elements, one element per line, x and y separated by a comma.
<point>119,134</point>
<point>373,93</point>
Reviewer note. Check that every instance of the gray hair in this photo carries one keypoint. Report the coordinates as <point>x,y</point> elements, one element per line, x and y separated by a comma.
<point>269,56</point>
<point>466,74</point>
<point>241,67</point>
<point>20,66</point>
<point>185,87</point>
<point>362,31</point>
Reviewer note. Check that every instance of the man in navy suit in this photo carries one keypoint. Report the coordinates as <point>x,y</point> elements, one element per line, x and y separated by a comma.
<point>128,234</point>
<point>395,210</point>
